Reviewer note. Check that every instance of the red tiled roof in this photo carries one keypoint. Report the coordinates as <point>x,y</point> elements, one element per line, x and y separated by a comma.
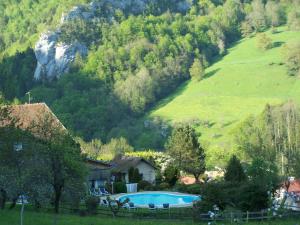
<point>28,115</point>
<point>294,186</point>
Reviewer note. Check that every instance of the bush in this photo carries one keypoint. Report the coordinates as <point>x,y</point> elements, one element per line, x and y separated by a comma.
<point>143,185</point>
<point>91,205</point>
<point>263,41</point>
<point>171,175</point>
<point>120,187</point>
<point>194,189</point>
<point>163,186</point>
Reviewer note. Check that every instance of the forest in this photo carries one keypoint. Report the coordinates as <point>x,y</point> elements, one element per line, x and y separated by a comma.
<point>134,60</point>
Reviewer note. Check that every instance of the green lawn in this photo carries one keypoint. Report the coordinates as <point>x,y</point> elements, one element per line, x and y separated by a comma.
<point>11,217</point>
<point>239,84</point>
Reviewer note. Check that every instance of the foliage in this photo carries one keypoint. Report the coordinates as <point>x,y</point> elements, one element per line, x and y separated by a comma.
<point>171,175</point>
<point>92,204</point>
<point>272,136</point>
<point>186,150</point>
<point>120,187</point>
<point>197,70</point>
<point>292,57</point>
<point>144,185</point>
<point>264,172</point>
<point>134,175</point>
<point>263,41</point>
<point>234,171</point>
<point>294,18</point>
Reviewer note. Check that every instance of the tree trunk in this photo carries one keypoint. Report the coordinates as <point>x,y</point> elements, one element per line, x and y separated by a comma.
<point>197,181</point>
<point>2,199</point>
<point>22,210</point>
<point>57,199</point>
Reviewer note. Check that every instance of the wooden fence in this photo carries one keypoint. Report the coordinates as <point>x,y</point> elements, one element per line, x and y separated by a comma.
<point>188,214</point>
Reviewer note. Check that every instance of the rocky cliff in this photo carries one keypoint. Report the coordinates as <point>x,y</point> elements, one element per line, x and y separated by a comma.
<point>54,58</point>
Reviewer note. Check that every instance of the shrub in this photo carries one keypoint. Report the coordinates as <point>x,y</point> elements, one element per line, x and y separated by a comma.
<point>163,186</point>
<point>120,187</point>
<point>143,185</point>
<point>92,204</point>
<point>171,175</point>
<point>193,189</point>
<point>263,41</point>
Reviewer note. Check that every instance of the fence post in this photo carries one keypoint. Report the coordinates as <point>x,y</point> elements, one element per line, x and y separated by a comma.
<point>231,217</point>
<point>247,218</point>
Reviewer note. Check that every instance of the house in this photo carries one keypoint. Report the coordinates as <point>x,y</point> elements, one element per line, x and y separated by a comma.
<point>100,173</point>
<point>121,166</point>
<point>289,192</point>
<point>29,116</point>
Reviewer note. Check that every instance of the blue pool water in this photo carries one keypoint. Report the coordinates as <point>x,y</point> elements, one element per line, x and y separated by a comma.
<point>159,198</point>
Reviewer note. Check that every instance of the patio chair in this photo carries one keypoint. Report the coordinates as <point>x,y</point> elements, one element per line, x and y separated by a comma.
<point>104,202</point>
<point>131,206</point>
<point>103,191</point>
<point>151,206</point>
<point>166,206</point>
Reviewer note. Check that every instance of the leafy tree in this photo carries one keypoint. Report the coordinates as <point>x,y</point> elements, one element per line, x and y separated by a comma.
<point>234,171</point>
<point>197,70</point>
<point>246,28</point>
<point>263,41</point>
<point>292,57</point>
<point>264,172</point>
<point>171,175</point>
<point>65,163</point>
<point>258,16</point>
<point>293,19</point>
<point>274,13</point>
<point>184,147</point>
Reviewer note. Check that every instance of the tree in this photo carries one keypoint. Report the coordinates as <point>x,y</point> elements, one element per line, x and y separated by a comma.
<point>184,147</point>
<point>273,13</point>
<point>234,171</point>
<point>258,16</point>
<point>197,70</point>
<point>293,20</point>
<point>263,41</point>
<point>65,163</point>
<point>292,57</point>
<point>23,171</point>
<point>264,172</point>
<point>246,28</point>
<point>171,175</point>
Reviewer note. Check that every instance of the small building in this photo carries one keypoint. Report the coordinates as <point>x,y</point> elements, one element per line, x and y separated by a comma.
<point>290,194</point>
<point>99,173</point>
<point>121,166</point>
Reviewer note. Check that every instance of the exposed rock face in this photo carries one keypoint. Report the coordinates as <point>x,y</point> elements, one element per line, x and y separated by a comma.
<point>54,58</point>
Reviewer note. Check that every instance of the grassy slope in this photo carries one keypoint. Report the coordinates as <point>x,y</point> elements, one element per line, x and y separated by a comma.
<point>240,84</point>
<point>11,217</point>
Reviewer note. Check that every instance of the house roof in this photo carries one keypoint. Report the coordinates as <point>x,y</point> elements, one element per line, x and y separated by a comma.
<point>100,163</point>
<point>294,186</point>
<point>28,114</point>
<point>124,163</point>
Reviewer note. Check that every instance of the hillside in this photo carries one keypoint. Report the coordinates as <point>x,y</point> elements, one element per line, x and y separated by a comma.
<point>238,85</point>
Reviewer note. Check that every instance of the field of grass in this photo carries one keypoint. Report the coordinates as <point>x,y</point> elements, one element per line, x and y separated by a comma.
<point>239,84</point>
<point>11,217</point>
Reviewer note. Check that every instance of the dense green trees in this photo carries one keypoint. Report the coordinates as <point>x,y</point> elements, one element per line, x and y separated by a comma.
<point>272,136</point>
<point>184,147</point>
<point>134,60</point>
<point>234,171</point>
<point>292,57</point>
<point>46,167</point>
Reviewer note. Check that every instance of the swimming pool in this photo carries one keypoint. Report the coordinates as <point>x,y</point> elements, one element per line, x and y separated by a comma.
<point>158,198</point>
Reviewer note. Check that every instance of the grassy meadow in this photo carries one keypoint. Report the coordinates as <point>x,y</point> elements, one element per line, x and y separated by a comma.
<point>236,86</point>
<point>11,217</point>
